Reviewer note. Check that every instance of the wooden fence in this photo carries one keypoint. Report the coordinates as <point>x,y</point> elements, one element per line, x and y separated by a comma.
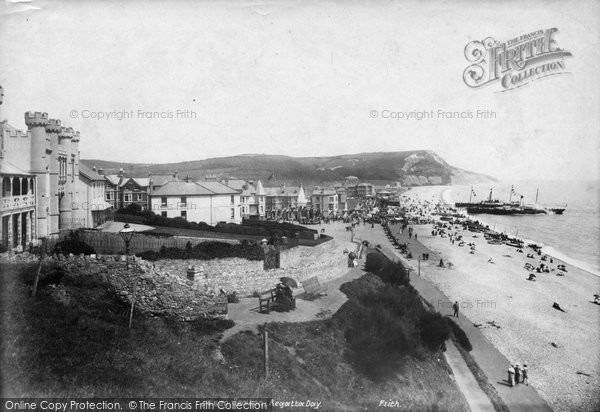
<point>111,243</point>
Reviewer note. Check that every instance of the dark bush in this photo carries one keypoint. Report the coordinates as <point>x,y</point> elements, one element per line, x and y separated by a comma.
<point>435,330</point>
<point>382,330</point>
<point>460,335</point>
<point>390,272</point>
<point>248,227</point>
<point>207,251</point>
<point>375,261</point>
<point>3,248</point>
<point>73,244</point>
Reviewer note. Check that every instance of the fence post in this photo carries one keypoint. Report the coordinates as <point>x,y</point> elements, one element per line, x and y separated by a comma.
<point>39,268</point>
<point>266,353</point>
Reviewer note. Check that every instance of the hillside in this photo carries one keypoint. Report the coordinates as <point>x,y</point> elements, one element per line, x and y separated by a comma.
<point>411,168</point>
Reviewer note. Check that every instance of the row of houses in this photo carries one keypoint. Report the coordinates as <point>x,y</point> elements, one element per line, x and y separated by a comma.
<point>47,189</point>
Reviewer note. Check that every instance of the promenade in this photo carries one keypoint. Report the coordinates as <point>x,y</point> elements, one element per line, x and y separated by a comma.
<point>490,360</point>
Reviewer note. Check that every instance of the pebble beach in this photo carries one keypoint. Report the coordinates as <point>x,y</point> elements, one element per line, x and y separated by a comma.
<point>560,349</point>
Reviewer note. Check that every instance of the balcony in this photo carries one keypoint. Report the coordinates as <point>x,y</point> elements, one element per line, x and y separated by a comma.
<point>17,202</point>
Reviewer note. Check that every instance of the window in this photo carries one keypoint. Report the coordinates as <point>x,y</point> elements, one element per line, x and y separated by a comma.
<point>107,195</point>
<point>183,201</point>
<point>232,199</point>
<point>232,213</point>
<point>163,200</point>
<point>331,199</point>
<point>163,214</point>
<point>139,196</point>
<point>128,197</point>
<point>184,214</point>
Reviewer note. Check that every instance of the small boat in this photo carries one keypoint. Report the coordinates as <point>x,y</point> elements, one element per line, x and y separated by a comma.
<point>514,243</point>
<point>495,242</point>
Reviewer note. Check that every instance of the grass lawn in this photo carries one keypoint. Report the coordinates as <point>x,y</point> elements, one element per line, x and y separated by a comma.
<point>73,340</point>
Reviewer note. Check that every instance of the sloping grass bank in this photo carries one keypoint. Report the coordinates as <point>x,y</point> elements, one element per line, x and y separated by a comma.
<point>382,345</point>
<point>73,340</point>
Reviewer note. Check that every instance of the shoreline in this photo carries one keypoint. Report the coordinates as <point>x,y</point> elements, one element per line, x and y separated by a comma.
<point>516,316</point>
<point>549,249</point>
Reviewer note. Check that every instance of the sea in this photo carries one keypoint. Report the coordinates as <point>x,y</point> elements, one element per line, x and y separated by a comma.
<point>573,237</point>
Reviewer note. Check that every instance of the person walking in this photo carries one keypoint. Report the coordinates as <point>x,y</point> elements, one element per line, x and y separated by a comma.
<point>524,375</point>
<point>455,307</point>
<point>517,374</point>
<point>511,376</point>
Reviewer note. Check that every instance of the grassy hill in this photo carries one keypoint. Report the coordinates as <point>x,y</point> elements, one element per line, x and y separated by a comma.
<point>410,168</point>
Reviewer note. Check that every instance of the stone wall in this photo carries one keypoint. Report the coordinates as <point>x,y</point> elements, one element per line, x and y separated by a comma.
<point>154,291</point>
<point>163,287</point>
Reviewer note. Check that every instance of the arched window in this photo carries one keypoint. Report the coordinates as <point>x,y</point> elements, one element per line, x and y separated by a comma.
<point>24,186</point>
<point>6,192</point>
<point>16,186</point>
<point>32,186</point>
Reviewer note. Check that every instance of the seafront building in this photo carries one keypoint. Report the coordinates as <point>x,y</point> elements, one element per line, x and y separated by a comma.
<point>283,202</point>
<point>95,211</point>
<point>325,200</point>
<point>208,202</point>
<point>252,198</point>
<point>122,191</point>
<point>39,169</point>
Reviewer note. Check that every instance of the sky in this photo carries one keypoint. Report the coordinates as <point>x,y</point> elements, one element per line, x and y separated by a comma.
<point>189,80</point>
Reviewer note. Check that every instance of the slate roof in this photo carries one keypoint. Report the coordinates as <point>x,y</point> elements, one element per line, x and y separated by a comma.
<point>287,191</point>
<point>89,172</point>
<point>183,188</point>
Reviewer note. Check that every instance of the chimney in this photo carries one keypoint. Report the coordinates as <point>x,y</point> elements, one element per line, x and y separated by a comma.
<point>100,171</point>
<point>176,175</point>
<point>94,168</point>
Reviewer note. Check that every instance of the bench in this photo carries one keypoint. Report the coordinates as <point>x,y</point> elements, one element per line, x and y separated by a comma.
<point>313,287</point>
<point>266,299</point>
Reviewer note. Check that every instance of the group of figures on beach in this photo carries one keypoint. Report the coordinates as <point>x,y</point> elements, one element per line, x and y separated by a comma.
<point>517,375</point>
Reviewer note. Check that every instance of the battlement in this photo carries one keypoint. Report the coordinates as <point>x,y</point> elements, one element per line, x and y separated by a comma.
<point>66,133</point>
<point>54,126</point>
<point>76,136</point>
<point>17,133</point>
<point>34,119</point>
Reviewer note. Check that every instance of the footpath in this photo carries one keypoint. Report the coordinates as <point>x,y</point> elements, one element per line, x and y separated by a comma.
<point>490,360</point>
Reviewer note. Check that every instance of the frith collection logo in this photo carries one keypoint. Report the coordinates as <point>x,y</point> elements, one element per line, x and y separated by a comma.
<point>516,62</point>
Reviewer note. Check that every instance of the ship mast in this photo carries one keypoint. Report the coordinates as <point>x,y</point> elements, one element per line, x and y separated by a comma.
<point>536,194</point>
<point>512,189</point>
<point>471,194</point>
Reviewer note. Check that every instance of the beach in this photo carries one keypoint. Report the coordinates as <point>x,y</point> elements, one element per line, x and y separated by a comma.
<point>560,349</point>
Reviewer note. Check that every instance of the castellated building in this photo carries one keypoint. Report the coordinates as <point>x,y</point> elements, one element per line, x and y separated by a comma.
<point>39,169</point>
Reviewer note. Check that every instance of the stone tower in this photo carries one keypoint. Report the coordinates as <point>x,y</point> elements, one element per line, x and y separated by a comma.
<point>66,200</point>
<point>57,173</point>
<point>40,158</point>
